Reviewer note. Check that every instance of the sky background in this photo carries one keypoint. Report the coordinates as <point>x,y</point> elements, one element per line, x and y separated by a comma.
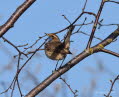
<point>45,16</point>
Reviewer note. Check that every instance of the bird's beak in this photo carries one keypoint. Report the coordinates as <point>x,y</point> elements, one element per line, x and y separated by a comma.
<point>47,34</point>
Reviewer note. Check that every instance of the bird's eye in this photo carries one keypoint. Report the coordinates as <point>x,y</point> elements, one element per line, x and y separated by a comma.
<point>52,36</point>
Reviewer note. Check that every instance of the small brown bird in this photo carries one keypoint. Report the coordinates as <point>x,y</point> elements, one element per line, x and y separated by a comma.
<point>57,50</point>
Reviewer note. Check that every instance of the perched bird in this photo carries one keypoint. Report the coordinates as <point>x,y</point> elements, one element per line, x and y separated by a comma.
<point>57,50</point>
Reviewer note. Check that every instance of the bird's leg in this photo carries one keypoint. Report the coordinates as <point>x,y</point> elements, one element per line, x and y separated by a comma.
<point>41,49</point>
<point>62,62</point>
<point>56,65</point>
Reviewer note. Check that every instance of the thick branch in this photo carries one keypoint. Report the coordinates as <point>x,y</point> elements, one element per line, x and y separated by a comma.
<point>72,63</point>
<point>14,17</point>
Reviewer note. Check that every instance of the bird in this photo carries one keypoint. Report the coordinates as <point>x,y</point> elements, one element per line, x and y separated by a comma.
<point>56,49</point>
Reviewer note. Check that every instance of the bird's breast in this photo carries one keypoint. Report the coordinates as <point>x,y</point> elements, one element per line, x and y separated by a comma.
<point>55,50</point>
<point>55,56</point>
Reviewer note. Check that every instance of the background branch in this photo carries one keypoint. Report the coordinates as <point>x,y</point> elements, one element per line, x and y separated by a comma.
<point>112,85</point>
<point>14,17</point>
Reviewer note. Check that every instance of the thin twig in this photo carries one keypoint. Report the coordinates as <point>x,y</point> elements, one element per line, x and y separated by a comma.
<point>19,88</point>
<point>13,45</point>
<point>112,1</point>
<point>89,13</point>
<point>87,35</point>
<point>110,52</point>
<point>95,24</point>
<point>84,6</point>
<point>13,89</point>
<point>66,19</point>
<point>84,24</point>
<point>22,45</point>
<point>74,92</point>
<point>35,42</point>
<point>30,52</point>
<point>112,85</point>
<point>19,70</point>
<point>10,87</point>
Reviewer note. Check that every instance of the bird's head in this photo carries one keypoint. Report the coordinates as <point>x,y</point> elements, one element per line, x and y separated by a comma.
<point>53,37</point>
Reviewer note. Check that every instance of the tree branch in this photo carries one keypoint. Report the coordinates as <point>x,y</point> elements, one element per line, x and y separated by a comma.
<point>112,1</point>
<point>110,52</point>
<point>95,24</point>
<point>112,85</point>
<point>73,62</point>
<point>14,17</point>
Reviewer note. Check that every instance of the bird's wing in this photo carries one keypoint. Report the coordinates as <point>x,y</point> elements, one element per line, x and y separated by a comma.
<point>67,38</point>
<point>52,46</point>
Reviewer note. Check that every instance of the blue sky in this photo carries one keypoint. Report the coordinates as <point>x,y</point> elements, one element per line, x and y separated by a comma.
<point>45,16</point>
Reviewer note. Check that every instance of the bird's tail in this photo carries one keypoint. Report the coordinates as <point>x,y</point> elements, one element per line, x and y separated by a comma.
<point>67,38</point>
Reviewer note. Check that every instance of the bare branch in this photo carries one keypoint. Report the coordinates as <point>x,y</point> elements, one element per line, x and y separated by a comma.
<point>87,35</point>
<point>5,40</point>
<point>19,70</point>
<point>89,13</point>
<point>95,24</point>
<point>74,92</point>
<point>110,52</point>
<point>112,1</point>
<point>84,6</point>
<point>14,17</point>
<point>112,85</point>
